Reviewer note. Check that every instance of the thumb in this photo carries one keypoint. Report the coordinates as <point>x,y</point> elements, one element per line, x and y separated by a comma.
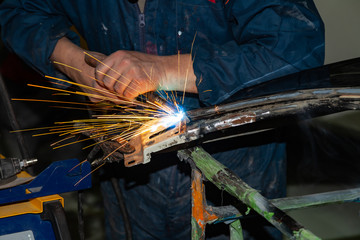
<point>94,58</point>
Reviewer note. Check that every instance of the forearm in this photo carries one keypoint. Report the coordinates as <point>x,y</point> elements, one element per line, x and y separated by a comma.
<point>179,74</point>
<point>69,58</point>
<point>31,32</point>
<point>68,53</point>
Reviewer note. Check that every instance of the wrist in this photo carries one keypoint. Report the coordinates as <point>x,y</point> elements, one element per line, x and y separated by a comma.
<point>179,73</point>
<point>169,77</point>
<point>68,58</point>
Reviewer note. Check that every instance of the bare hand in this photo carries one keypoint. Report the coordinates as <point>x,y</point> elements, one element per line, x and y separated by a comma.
<point>124,73</point>
<point>69,59</point>
<point>130,73</point>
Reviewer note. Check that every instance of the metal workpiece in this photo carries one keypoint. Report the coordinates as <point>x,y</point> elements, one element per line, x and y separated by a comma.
<point>243,118</point>
<point>246,117</point>
<point>151,142</point>
<point>300,100</point>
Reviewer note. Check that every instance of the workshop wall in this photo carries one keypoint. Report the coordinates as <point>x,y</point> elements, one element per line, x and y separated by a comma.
<point>342,42</point>
<point>342,31</point>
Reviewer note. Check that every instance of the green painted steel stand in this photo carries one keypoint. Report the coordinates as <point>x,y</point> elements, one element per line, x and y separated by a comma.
<point>236,230</point>
<point>226,180</point>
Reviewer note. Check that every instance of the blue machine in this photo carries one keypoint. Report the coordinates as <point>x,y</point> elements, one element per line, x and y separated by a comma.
<point>34,210</point>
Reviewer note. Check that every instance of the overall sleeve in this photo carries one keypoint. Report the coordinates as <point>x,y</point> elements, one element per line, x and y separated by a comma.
<point>271,39</point>
<point>31,29</point>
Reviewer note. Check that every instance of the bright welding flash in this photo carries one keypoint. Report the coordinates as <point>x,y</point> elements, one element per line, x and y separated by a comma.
<point>169,121</point>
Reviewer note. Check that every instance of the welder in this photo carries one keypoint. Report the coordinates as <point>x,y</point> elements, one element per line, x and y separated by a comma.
<point>218,47</point>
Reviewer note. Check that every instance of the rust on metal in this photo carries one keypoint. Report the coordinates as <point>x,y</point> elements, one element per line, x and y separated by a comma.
<point>199,206</point>
<point>136,157</point>
<point>229,120</point>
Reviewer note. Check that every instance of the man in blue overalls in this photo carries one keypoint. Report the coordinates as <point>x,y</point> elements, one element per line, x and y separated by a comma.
<point>223,46</point>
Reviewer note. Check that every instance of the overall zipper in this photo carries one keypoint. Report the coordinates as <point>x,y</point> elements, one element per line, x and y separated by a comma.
<point>141,18</point>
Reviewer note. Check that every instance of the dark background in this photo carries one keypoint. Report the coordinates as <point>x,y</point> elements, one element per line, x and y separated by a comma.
<point>323,153</point>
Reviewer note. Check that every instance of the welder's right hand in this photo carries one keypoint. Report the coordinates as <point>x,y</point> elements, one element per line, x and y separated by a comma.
<point>131,73</point>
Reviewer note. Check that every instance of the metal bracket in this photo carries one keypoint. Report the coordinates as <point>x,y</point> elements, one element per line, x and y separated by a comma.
<point>152,142</point>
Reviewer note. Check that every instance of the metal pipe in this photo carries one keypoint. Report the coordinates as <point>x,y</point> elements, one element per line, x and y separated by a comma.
<point>341,196</point>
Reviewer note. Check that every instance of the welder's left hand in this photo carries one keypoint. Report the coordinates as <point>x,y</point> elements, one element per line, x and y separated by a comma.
<point>72,64</point>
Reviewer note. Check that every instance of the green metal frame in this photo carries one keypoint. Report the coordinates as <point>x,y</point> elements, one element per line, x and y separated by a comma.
<point>204,165</point>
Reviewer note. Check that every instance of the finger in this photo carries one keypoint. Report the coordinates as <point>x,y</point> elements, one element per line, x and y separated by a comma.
<point>110,71</point>
<point>108,79</point>
<point>134,83</point>
<point>131,94</point>
<point>100,93</point>
<point>138,87</point>
<point>91,61</point>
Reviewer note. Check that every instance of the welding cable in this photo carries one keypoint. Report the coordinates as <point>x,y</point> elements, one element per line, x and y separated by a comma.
<point>123,209</point>
<point>81,216</point>
<point>25,154</point>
